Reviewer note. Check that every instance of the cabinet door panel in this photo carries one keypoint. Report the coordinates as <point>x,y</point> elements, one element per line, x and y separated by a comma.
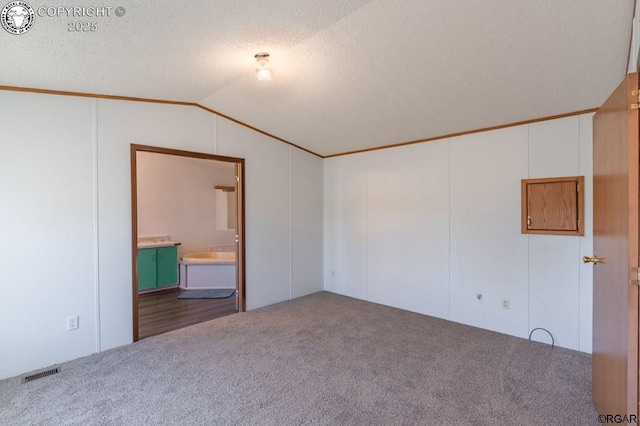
<point>167,266</point>
<point>553,206</point>
<point>147,274</point>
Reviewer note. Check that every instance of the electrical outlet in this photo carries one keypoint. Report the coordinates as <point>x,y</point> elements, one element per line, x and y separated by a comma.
<point>73,322</point>
<point>505,303</point>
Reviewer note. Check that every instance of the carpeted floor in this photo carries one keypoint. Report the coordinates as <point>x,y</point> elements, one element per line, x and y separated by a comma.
<point>321,359</point>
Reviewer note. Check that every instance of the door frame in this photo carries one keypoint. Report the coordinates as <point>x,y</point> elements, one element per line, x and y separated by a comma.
<point>240,231</point>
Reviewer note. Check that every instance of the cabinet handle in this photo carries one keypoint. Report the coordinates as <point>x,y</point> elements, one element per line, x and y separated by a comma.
<point>160,256</point>
<point>153,257</point>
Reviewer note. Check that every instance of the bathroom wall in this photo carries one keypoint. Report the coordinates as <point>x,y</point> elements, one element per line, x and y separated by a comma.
<point>176,197</point>
<point>65,173</point>
<point>428,227</point>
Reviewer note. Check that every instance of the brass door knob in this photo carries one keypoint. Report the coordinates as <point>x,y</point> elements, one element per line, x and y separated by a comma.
<point>592,259</point>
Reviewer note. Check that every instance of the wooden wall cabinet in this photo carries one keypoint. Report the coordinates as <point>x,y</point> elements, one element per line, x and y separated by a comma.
<point>553,206</point>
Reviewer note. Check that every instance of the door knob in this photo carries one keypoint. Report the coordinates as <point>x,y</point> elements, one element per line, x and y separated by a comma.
<point>595,260</point>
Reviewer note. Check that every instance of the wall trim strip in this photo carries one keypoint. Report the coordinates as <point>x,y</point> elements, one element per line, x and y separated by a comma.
<point>193,104</point>
<point>257,130</point>
<point>156,101</point>
<point>468,132</point>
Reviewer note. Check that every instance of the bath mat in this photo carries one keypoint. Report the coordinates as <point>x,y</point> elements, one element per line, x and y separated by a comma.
<point>215,293</point>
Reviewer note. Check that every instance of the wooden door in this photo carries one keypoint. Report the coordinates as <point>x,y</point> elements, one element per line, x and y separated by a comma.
<point>615,231</point>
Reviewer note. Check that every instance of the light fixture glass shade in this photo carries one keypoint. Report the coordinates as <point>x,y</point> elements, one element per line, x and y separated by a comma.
<point>264,74</point>
<point>263,71</point>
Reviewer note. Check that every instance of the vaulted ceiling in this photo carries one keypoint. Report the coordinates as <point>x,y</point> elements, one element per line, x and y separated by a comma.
<point>348,74</point>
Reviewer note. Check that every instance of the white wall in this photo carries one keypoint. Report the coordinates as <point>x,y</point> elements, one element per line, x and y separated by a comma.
<point>121,123</point>
<point>306,223</point>
<point>428,227</point>
<point>47,212</point>
<point>345,226</point>
<point>176,197</point>
<point>283,189</point>
<point>403,214</point>
<point>268,211</point>
<point>488,252</point>
<point>635,41</point>
<point>65,167</point>
<point>394,223</point>
<point>561,148</point>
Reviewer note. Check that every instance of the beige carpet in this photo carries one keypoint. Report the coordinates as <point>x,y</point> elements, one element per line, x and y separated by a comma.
<point>321,359</point>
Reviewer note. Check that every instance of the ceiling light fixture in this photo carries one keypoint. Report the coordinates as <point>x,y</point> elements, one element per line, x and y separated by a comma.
<point>263,71</point>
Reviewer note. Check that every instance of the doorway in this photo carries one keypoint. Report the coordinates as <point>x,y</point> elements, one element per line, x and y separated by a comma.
<point>176,195</point>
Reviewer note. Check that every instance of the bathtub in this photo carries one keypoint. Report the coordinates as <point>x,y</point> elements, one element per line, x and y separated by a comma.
<point>207,270</point>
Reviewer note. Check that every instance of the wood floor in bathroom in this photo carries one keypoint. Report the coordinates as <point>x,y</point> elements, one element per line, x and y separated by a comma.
<point>162,311</point>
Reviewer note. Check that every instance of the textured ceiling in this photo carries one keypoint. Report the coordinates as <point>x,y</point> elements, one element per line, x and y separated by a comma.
<point>348,74</point>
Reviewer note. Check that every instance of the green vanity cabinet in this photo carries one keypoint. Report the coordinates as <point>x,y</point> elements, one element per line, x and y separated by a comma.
<point>157,267</point>
<point>147,270</point>
<point>167,272</point>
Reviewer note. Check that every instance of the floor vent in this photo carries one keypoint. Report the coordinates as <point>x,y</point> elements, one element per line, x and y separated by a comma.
<point>40,375</point>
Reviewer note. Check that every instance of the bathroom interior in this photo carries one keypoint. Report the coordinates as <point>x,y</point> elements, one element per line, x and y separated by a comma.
<point>187,214</point>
